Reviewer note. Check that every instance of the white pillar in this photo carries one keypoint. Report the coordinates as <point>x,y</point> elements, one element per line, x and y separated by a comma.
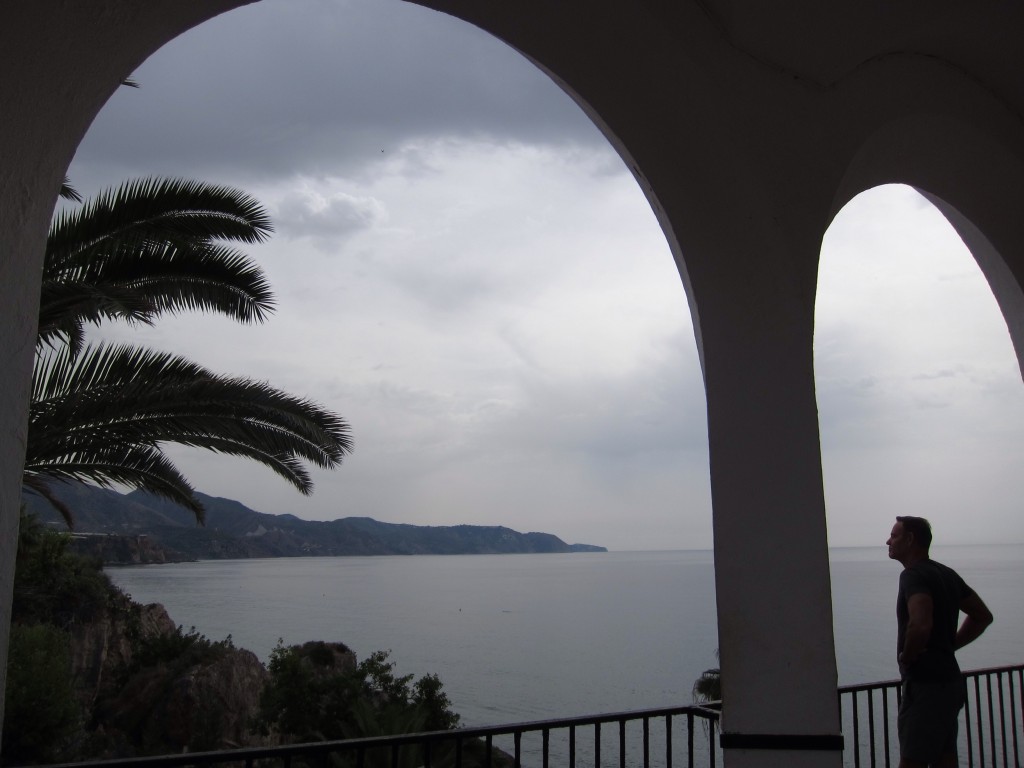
<point>772,575</point>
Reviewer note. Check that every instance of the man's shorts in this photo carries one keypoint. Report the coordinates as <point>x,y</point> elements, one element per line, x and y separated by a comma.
<point>928,718</point>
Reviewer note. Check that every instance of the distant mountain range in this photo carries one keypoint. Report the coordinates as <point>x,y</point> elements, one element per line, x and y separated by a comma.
<point>233,530</point>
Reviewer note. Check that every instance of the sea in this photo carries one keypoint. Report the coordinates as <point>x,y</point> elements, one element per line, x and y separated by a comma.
<point>527,637</point>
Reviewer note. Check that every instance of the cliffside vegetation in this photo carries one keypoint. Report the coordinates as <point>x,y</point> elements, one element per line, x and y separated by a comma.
<point>92,675</point>
<point>318,692</point>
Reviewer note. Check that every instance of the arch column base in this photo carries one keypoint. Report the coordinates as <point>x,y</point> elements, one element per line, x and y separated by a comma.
<point>783,758</point>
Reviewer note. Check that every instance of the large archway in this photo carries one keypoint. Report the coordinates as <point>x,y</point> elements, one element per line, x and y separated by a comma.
<point>742,130</point>
<point>921,409</point>
<point>386,250</point>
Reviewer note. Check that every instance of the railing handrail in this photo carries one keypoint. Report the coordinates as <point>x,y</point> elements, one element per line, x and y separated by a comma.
<point>244,754</point>
<point>896,681</point>
<point>707,711</point>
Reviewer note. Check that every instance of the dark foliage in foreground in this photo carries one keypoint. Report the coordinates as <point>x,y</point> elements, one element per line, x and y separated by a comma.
<point>315,692</point>
<point>312,697</point>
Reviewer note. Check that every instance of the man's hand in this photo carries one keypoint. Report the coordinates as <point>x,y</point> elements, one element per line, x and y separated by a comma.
<point>977,620</point>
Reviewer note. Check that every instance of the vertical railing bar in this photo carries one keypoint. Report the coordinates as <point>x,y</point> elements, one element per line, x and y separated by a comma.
<point>991,718</point>
<point>885,725</point>
<point>458,753</point>
<point>622,743</point>
<point>1013,719</point>
<point>841,719</point>
<point>572,746</point>
<point>489,750</point>
<point>689,739</point>
<point>668,741</point>
<point>426,755</point>
<point>967,722</point>
<point>546,746</point>
<point>597,745</point>
<point>839,698</point>
<point>647,742</point>
<point>856,732</point>
<point>871,725</point>
<point>1002,718</point>
<point>517,739</point>
<point>981,726</point>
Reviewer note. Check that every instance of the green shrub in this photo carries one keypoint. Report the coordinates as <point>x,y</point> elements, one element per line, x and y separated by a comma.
<point>42,717</point>
<point>306,700</point>
<point>179,649</point>
<point>54,586</point>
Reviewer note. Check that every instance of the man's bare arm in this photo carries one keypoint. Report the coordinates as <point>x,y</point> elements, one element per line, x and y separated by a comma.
<point>977,620</point>
<point>919,627</point>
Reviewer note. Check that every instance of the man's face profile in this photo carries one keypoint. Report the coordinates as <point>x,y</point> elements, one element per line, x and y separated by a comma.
<point>899,542</point>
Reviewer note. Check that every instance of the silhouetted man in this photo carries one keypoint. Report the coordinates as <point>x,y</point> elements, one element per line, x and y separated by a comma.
<point>928,607</point>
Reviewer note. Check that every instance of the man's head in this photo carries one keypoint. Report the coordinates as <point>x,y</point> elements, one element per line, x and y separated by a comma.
<point>910,539</point>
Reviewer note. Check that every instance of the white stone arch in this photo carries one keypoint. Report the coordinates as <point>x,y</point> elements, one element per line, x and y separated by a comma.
<point>959,147</point>
<point>973,173</point>
<point>755,349</point>
<point>71,96</point>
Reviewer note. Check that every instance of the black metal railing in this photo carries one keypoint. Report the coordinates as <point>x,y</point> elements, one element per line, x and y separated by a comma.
<point>991,724</point>
<point>991,736</point>
<point>674,737</point>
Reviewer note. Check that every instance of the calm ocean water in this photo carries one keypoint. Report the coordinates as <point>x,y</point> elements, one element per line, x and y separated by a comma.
<point>525,637</point>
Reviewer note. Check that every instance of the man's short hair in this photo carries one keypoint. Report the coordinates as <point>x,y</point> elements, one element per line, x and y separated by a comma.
<point>918,526</point>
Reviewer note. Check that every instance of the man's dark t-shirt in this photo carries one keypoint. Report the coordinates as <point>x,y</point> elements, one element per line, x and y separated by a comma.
<point>947,590</point>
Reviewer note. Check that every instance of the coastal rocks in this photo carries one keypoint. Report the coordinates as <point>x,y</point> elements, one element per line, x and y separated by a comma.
<point>105,645</point>
<point>207,705</point>
<point>153,689</point>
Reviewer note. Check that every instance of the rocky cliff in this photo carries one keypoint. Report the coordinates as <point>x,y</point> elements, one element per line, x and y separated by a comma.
<point>151,688</point>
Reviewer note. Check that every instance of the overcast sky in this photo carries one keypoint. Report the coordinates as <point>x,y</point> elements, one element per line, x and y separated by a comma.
<point>466,272</point>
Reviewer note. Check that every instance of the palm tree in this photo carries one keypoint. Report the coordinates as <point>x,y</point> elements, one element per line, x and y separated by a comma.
<point>101,413</point>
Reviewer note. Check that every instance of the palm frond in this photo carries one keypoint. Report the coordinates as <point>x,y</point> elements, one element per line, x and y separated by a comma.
<point>67,192</point>
<point>150,247</point>
<point>128,396</point>
<point>101,414</point>
<point>162,208</point>
<point>64,310</point>
<point>142,467</point>
<point>39,485</point>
